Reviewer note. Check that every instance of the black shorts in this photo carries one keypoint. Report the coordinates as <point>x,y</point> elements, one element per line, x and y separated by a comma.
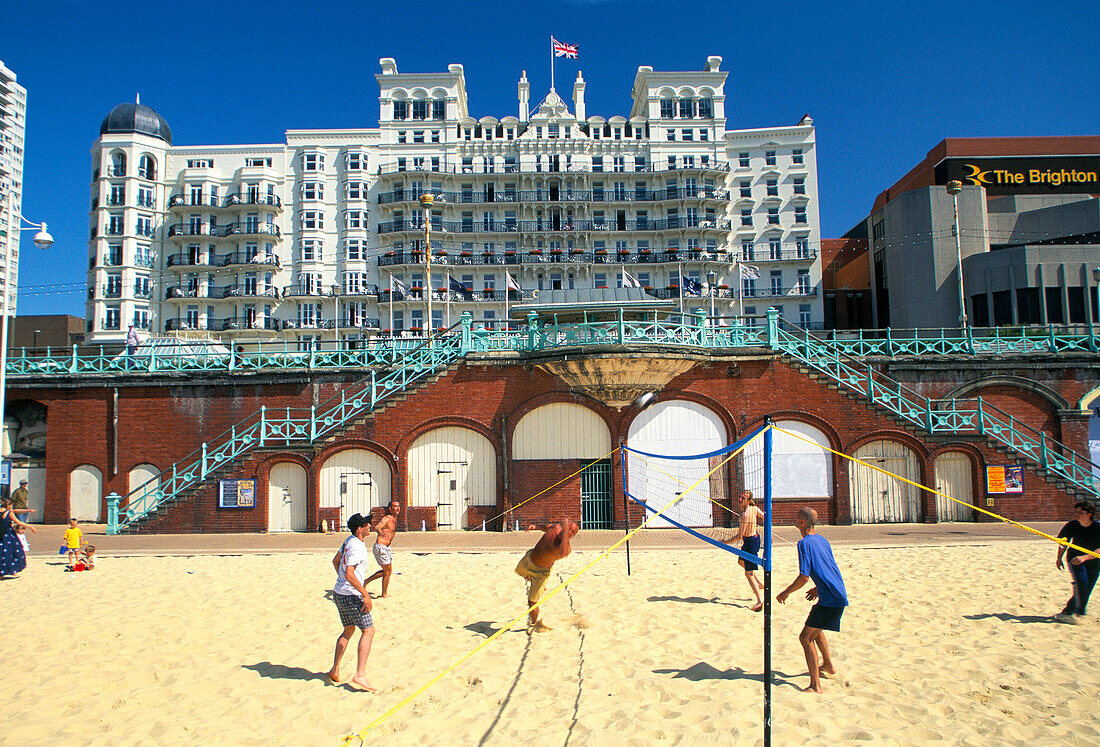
<point>824,618</point>
<point>751,545</point>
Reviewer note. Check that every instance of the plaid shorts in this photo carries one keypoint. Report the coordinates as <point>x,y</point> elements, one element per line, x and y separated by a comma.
<point>351,611</point>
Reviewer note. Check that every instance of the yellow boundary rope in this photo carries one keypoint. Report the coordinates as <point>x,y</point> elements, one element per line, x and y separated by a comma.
<point>1006,520</point>
<point>361,735</point>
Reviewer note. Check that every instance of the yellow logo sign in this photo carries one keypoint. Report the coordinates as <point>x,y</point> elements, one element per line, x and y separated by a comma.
<point>976,175</point>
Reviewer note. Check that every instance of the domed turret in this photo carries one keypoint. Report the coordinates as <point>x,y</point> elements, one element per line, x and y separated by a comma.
<point>136,117</point>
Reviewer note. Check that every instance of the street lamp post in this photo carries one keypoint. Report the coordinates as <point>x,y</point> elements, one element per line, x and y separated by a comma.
<point>42,240</point>
<point>953,189</point>
<point>36,333</point>
<point>426,202</point>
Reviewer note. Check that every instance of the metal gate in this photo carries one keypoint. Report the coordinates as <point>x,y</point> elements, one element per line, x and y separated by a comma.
<point>357,494</point>
<point>596,496</point>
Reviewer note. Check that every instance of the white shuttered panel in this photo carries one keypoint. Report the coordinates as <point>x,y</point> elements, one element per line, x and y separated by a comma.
<point>675,428</point>
<point>286,498</point>
<point>800,469</point>
<point>85,493</point>
<point>452,468</point>
<point>561,431</point>
<point>881,498</point>
<point>354,480</point>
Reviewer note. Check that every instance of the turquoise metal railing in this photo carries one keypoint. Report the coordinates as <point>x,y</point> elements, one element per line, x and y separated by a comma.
<point>288,425</point>
<point>972,415</point>
<point>668,330</point>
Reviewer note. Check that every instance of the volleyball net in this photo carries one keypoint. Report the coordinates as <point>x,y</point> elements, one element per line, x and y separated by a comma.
<point>698,493</point>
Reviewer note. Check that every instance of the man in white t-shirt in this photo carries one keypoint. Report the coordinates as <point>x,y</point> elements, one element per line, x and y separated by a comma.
<point>353,602</point>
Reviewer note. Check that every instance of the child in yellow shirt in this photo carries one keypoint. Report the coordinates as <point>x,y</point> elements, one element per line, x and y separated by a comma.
<point>74,540</point>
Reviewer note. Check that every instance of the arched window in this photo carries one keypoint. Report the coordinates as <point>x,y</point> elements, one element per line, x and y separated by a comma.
<point>147,168</point>
<point>118,164</point>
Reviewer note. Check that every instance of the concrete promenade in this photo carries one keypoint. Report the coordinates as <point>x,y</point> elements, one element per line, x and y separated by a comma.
<point>49,538</point>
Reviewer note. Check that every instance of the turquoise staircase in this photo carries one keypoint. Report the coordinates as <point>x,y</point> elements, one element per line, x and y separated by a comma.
<point>289,426</point>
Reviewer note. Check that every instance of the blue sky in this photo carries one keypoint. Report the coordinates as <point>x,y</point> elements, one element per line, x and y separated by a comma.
<point>883,81</point>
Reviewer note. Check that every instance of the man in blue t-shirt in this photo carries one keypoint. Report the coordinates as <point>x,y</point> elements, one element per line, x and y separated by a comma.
<point>815,561</point>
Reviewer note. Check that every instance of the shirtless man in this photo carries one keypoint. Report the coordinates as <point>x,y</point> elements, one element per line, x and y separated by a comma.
<point>536,564</point>
<point>386,528</point>
<point>750,542</point>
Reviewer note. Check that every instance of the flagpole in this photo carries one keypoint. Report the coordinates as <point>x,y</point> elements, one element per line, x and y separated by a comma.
<point>551,63</point>
<point>507,290</point>
<point>680,271</point>
<point>391,303</point>
<point>740,288</point>
<point>448,292</point>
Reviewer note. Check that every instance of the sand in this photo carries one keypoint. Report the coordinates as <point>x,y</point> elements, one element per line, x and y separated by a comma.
<point>946,644</point>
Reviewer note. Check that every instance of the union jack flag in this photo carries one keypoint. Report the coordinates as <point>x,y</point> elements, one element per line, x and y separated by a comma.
<point>561,49</point>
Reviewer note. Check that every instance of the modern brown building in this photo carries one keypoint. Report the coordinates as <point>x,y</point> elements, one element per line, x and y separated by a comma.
<point>1028,235</point>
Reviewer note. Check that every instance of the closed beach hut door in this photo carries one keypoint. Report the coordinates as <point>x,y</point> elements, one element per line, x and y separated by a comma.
<point>286,498</point>
<point>85,493</point>
<point>453,501</point>
<point>879,498</point>
<point>954,477</point>
<point>357,493</point>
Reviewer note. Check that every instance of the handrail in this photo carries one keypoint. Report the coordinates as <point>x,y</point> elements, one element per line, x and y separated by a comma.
<point>26,362</point>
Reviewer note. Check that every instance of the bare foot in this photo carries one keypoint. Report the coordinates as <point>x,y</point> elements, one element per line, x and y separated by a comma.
<point>384,596</point>
<point>334,677</point>
<point>828,673</point>
<point>539,627</point>
<point>756,607</point>
<point>357,684</point>
<point>812,689</point>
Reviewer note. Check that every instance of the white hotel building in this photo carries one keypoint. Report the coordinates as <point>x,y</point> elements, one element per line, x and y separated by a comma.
<point>298,241</point>
<point>13,121</point>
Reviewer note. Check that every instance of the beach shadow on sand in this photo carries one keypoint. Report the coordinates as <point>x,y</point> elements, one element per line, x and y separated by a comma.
<point>703,671</point>
<point>283,672</point>
<point>1009,617</point>
<point>696,600</point>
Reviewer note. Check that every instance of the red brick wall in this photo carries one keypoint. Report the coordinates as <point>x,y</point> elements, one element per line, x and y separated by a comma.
<point>160,424</point>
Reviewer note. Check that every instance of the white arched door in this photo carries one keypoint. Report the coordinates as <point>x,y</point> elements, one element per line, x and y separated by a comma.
<point>286,498</point>
<point>878,497</point>
<point>354,480</point>
<point>677,428</point>
<point>452,468</point>
<point>85,493</point>
<point>954,478</point>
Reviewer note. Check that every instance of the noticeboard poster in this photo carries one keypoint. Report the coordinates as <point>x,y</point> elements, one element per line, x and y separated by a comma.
<point>1004,479</point>
<point>236,493</point>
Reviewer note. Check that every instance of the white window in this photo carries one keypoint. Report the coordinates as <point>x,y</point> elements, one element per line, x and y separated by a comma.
<point>800,215</point>
<point>112,317</point>
<point>743,159</point>
<point>804,315</point>
<point>313,162</point>
<point>773,187</point>
<point>308,314</point>
<point>355,283</point>
<point>357,190</point>
<point>311,219</point>
<point>313,190</point>
<point>198,163</point>
<point>800,185</point>
<point>355,219</point>
<point>253,162</point>
<point>144,225</point>
<point>769,158</point>
<point>804,282</point>
<point>747,250</point>
<point>773,216</point>
<point>311,250</point>
<point>145,196</point>
<point>746,216</point>
<point>746,188</point>
<point>310,283</point>
<point>353,248</point>
<point>777,282</point>
<point>357,161</point>
<point>802,248</point>
<point>796,155</point>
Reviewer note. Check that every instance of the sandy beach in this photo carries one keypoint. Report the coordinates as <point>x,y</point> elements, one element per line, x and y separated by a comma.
<point>948,644</point>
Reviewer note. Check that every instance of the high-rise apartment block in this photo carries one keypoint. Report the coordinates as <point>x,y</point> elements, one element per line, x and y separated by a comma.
<point>13,118</point>
<point>323,237</point>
